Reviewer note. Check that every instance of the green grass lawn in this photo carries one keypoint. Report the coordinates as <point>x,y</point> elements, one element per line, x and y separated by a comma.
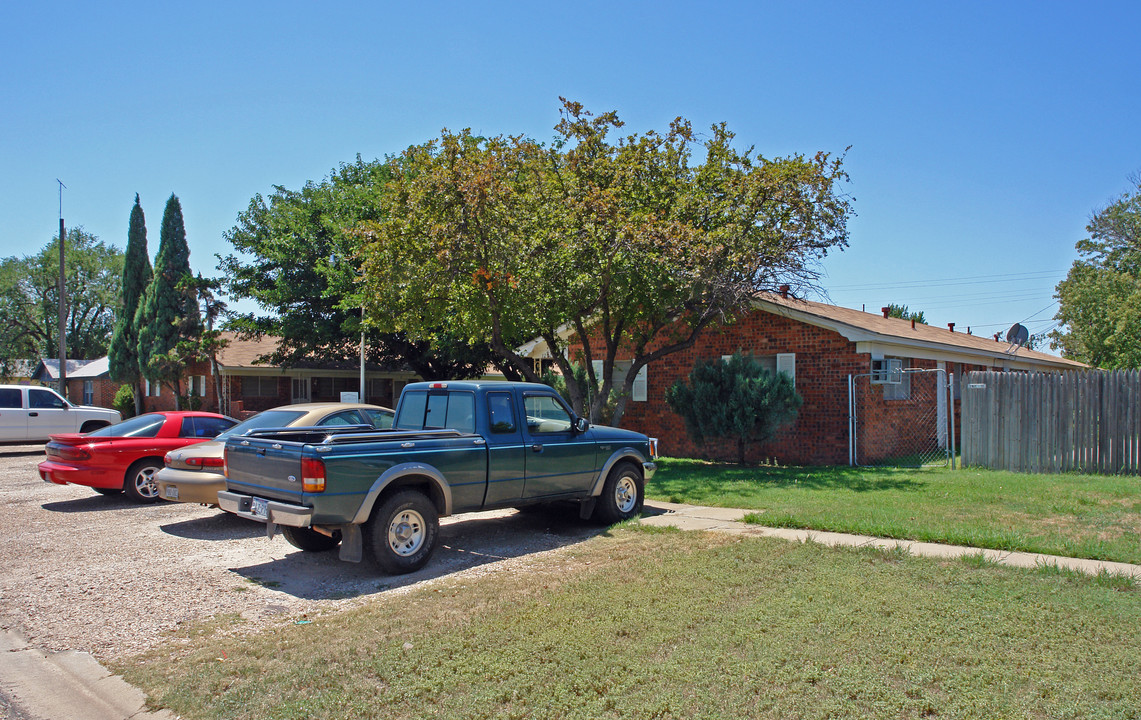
<point>1090,516</point>
<point>658,624</point>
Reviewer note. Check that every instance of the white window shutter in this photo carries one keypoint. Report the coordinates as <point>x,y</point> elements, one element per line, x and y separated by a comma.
<point>640,382</point>
<point>597,365</point>
<point>786,363</point>
<point>201,385</point>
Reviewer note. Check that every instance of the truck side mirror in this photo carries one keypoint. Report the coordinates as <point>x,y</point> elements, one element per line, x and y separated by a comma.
<point>581,425</point>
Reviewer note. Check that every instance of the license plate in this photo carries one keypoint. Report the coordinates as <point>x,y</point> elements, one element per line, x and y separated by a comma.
<point>259,507</point>
<point>171,492</point>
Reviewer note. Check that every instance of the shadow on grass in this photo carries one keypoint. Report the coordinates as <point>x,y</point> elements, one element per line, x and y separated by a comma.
<point>466,541</point>
<point>697,478</point>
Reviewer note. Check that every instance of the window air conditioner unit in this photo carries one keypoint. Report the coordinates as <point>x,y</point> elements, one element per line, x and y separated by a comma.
<point>888,371</point>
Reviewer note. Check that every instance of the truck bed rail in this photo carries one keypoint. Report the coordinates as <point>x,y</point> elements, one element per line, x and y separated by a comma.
<point>346,434</point>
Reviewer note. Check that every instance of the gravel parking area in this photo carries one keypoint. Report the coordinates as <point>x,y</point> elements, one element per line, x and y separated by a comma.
<point>110,577</point>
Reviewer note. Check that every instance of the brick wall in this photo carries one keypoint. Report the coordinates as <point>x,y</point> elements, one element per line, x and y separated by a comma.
<point>824,360</point>
<point>165,399</point>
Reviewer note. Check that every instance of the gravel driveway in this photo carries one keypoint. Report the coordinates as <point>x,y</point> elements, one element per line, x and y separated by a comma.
<point>103,575</point>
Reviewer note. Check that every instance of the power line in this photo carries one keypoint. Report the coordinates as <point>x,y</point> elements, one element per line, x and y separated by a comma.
<point>947,282</point>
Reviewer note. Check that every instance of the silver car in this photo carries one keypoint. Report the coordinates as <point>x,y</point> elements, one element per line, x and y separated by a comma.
<point>194,473</point>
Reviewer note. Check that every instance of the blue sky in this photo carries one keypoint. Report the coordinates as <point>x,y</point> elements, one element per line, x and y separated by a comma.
<point>981,135</point>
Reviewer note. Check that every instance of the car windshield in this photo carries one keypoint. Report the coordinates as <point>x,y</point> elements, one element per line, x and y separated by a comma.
<point>142,426</point>
<point>266,419</point>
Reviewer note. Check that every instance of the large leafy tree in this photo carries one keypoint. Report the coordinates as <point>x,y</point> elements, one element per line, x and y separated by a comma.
<point>29,299</point>
<point>735,399</point>
<point>1100,299</point>
<point>596,245</point>
<point>168,314</point>
<point>296,256</point>
<point>124,350</point>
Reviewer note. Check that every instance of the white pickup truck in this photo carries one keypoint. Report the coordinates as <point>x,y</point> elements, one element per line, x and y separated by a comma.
<point>29,414</point>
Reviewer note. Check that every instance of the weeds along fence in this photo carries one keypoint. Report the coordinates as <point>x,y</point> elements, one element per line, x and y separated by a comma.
<point>1049,423</point>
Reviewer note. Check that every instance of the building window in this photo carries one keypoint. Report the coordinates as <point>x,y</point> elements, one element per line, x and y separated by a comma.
<point>899,390</point>
<point>259,387</point>
<point>151,389</point>
<point>88,392</point>
<point>781,362</point>
<point>618,378</point>
<point>196,386</point>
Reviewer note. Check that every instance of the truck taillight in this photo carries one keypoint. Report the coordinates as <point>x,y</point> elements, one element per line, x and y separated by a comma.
<point>312,475</point>
<point>438,386</point>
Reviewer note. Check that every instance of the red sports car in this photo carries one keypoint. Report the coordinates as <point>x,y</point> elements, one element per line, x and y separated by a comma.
<point>124,457</point>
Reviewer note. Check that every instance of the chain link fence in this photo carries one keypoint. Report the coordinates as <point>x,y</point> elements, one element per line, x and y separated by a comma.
<point>900,417</point>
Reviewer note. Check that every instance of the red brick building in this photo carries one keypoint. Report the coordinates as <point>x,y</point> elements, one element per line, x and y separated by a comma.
<point>249,386</point>
<point>820,346</point>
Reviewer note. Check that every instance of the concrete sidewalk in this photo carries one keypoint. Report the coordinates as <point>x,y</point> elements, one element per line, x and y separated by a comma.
<point>64,686</point>
<point>729,520</point>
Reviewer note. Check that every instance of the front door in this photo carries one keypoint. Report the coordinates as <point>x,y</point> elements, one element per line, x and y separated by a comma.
<point>48,414</point>
<point>559,460</point>
<point>300,390</point>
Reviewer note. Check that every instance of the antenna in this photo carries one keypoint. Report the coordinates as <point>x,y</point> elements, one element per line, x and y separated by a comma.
<point>1017,336</point>
<point>62,187</point>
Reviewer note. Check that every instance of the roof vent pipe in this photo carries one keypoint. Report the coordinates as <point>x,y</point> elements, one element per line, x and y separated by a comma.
<point>951,327</point>
<point>885,311</point>
<point>784,291</point>
<point>996,336</point>
<point>912,323</point>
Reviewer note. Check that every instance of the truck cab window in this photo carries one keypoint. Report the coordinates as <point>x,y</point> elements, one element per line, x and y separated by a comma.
<point>44,399</point>
<point>437,411</point>
<point>545,414</point>
<point>501,413</point>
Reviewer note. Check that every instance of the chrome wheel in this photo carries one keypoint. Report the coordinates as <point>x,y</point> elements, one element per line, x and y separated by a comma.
<point>406,533</point>
<point>625,494</point>
<point>140,483</point>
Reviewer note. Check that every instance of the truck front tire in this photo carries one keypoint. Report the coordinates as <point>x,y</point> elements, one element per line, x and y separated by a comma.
<point>622,495</point>
<point>403,532</point>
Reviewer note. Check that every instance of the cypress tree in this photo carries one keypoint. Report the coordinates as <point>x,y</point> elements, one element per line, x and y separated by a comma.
<point>123,354</point>
<point>169,311</point>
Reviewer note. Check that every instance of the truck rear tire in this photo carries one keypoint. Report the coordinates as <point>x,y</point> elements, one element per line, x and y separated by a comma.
<point>403,533</point>
<point>309,540</point>
<point>622,495</point>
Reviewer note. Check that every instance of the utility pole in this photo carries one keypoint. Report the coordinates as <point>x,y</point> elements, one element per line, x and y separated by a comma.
<point>62,300</point>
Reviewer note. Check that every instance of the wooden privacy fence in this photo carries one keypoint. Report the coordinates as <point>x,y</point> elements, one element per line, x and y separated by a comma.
<point>1034,422</point>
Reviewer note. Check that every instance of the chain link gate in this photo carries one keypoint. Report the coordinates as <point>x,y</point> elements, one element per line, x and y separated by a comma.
<point>900,417</point>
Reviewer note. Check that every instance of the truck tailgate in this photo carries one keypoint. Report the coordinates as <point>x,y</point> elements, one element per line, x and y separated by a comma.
<point>267,468</point>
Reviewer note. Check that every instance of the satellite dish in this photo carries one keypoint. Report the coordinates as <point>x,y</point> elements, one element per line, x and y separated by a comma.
<point>1017,335</point>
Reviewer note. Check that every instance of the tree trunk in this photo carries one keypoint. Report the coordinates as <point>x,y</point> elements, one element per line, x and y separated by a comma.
<point>740,451</point>
<point>140,388</point>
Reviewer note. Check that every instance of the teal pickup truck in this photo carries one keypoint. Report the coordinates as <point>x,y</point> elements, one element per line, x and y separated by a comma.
<point>454,447</point>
